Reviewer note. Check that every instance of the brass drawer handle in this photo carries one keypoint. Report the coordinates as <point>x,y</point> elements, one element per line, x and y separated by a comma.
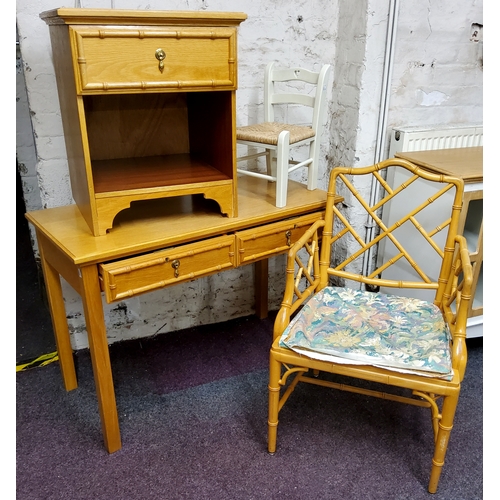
<point>288,235</point>
<point>176,264</point>
<point>160,55</point>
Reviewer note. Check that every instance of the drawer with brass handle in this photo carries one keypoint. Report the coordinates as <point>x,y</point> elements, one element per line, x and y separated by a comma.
<point>113,59</point>
<point>271,239</point>
<point>136,275</point>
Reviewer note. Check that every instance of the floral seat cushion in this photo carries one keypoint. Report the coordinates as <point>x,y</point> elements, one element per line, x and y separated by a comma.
<point>356,327</point>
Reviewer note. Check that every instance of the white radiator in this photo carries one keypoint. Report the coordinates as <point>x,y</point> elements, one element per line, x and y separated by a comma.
<point>422,138</point>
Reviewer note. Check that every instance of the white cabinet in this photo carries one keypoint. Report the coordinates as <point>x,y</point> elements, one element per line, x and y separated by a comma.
<point>466,163</point>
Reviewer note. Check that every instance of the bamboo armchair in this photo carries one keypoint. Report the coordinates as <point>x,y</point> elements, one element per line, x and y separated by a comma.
<point>334,319</point>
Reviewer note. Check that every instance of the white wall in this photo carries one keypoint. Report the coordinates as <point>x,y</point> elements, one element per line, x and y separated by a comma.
<point>437,78</point>
<point>438,71</point>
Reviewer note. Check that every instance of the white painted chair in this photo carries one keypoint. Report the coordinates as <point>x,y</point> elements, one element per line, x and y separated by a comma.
<point>278,137</point>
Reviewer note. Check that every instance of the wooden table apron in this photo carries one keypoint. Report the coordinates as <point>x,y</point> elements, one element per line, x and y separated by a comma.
<point>69,250</point>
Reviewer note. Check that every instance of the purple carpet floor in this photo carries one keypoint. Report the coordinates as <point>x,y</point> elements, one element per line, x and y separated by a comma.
<point>193,417</point>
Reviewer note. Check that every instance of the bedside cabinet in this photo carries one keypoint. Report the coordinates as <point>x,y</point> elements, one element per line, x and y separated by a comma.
<point>148,106</point>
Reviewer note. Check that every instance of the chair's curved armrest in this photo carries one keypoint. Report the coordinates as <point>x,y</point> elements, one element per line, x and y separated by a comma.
<point>302,278</point>
<point>456,301</point>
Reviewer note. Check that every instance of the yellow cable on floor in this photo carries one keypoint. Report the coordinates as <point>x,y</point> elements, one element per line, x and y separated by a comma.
<point>43,360</point>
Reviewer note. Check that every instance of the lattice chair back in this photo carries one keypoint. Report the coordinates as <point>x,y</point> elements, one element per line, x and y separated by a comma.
<point>410,227</point>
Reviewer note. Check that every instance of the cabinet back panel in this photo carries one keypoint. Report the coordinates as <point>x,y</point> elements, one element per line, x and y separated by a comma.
<point>211,129</point>
<point>132,126</point>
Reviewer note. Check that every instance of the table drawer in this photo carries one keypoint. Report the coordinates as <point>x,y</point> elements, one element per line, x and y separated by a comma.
<point>129,277</point>
<point>114,59</point>
<point>271,239</point>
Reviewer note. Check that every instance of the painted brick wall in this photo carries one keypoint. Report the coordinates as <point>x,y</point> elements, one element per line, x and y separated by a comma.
<point>437,78</point>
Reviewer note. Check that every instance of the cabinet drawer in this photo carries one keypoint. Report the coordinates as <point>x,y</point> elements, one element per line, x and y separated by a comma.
<point>129,277</point>
<point>272,239</point>
<point>113,59</point>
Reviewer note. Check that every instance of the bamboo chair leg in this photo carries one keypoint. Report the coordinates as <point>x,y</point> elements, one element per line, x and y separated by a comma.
<point>443,436</point>
<point>435,416</point>
<point>274,398</point>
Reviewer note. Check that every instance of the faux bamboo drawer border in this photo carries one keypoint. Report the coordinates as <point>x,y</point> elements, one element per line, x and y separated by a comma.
<point>137,275</point>
<point>272,239</point>
<point>153,59</point>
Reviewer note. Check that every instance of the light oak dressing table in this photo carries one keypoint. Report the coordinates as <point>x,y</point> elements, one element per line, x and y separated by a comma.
<point>148,103</point>
<point>159,243</point>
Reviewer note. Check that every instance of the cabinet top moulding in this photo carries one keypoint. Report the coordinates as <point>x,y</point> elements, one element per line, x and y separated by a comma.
<point>141,17</point>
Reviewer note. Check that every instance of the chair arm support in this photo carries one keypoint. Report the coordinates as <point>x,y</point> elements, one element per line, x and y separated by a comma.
<point>297,272</point>
<point>456,301</point>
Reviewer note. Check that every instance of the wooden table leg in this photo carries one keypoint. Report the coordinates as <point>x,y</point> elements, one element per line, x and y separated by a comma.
<point>261,288</point>
<point>99,352</point>
<point>58,315</point>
